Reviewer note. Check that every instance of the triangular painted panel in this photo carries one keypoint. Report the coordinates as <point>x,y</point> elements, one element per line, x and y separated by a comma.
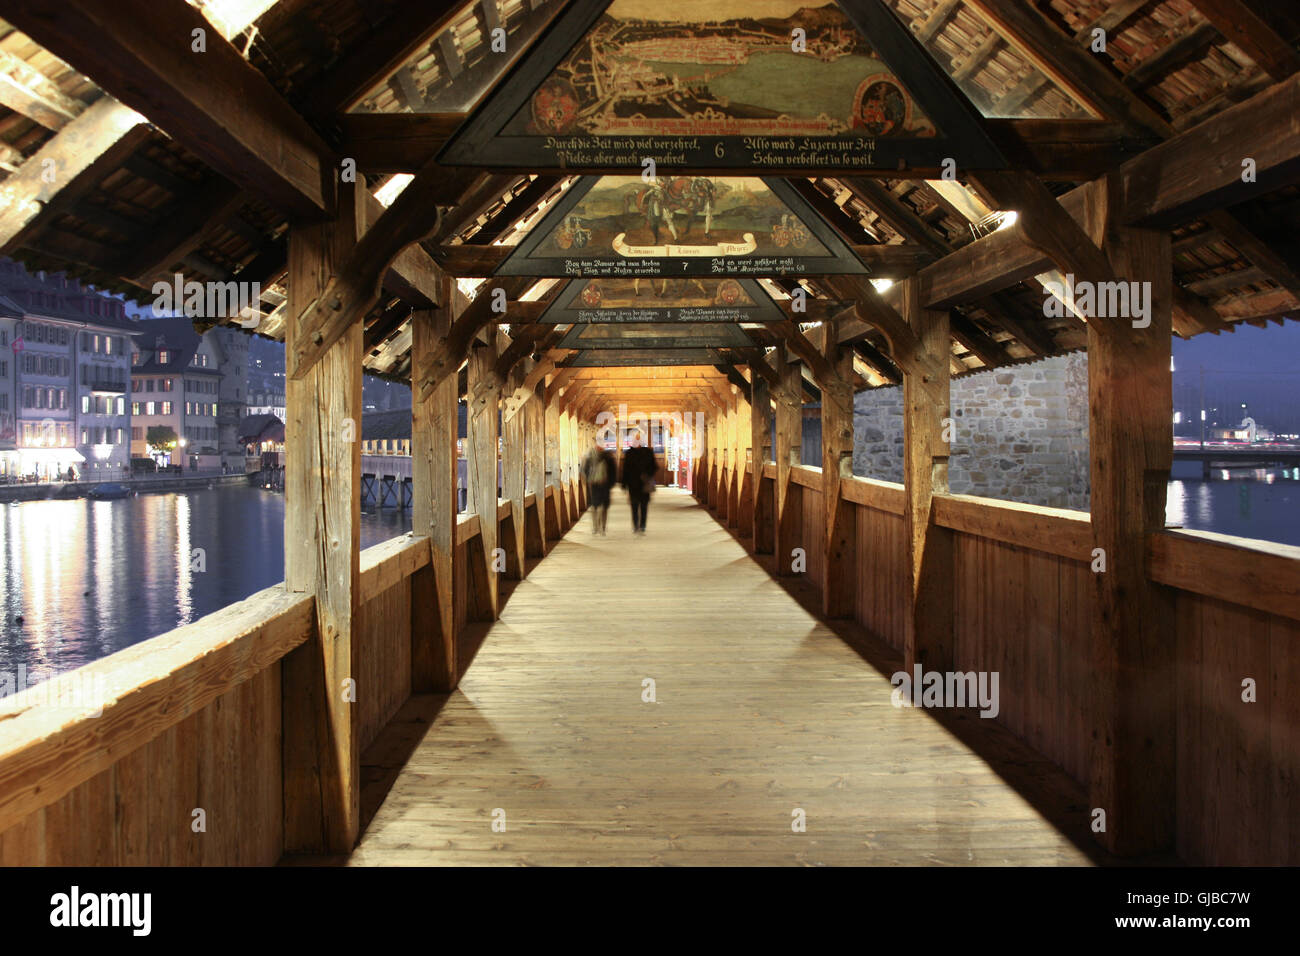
<point>622,301</point>
<point>719,84</point>
<point>680,226</point>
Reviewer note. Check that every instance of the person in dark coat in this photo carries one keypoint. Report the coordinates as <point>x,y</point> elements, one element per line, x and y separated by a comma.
<point>599,468</point>
<point>639,468</point>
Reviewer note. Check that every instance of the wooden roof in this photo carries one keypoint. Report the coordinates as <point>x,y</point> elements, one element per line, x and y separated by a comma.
<point>385,82</point>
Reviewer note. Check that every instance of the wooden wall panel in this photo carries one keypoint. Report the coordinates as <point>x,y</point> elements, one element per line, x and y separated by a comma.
<point>811,524</point>
<point>882,575</point>
<point>225,759</point>
<point>382,658</point>
<point>1238,763</point>
<point>460,584</point>
<point>1025,615</point>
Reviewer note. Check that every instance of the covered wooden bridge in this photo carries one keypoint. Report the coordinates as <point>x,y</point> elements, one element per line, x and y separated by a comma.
<point>717,212</point>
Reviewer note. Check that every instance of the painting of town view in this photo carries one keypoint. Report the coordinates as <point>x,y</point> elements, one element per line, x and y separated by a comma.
<point>722,67</point>
<point>686,215</point>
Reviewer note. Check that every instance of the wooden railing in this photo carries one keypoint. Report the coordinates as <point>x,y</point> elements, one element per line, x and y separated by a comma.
<point>171,751</point>
<point>1023,583</point>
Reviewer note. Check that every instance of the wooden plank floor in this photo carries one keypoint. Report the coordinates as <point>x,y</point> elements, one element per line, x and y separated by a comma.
<point>760,710</point>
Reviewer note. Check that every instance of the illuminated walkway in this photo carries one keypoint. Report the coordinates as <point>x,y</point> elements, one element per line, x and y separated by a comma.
<point>759,711</point>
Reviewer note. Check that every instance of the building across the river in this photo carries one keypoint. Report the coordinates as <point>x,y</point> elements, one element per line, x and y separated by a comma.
<point>64,376</point>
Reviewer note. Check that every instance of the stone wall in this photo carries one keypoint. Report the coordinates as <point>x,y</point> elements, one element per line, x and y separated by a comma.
<point>1020,433</point>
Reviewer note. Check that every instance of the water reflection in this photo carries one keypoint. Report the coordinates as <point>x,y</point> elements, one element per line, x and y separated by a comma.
<point>88,578</point>
<point>1259,503</point>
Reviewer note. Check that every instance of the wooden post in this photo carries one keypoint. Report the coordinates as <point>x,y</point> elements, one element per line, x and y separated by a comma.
<point>840,530</point>
<point>716,462</point>
<point>513,467</point>
<point>321,751</point>
<point>566,453</point>
<point>726,454</point>
<point>535,470</point>
<point>789,441</point>
<point>928,626</point>
<point>554,504</point>
<point>483,427</point>
<point>740,516</point>
<point>761,442</point>
<point>733,456</point>
<point>434,666</point>
<point>1132,677</point>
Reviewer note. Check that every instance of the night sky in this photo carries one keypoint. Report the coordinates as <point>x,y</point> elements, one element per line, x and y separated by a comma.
<point>1260,367</point>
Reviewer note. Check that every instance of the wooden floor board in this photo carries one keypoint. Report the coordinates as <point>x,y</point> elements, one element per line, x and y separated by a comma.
<point>760,710</point>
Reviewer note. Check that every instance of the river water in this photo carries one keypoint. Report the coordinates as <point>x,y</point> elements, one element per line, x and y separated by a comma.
<point>91,577</point>
<point>88,578</point>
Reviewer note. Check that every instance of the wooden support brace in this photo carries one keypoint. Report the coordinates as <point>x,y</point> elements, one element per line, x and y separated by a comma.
<point>434,427</point>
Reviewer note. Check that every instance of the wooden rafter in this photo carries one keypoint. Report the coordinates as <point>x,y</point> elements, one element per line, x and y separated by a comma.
<point>214,102</point>
<point>29,92</point>
<point>60,172</point>
<point>1240,22</point>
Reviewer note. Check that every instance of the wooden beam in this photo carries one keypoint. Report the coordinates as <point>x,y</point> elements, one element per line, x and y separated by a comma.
<point>59,172</point>
<point>976,341</point>
<point>1242,25</point>
<point>1071,65</point>
<point>177,237</point>
<point>355,289</point>
<point>322,751</point>
<point>1188,45</point>
<point>29,92</point>
<point>215,103</point>
<point>394,142</point>
<point>1202,168</point>
<point>434,430</point>
<point>822,370</point>
<point>934,22</point>
<point>468,325</point>
<point>1114,16</point>
<point>409,26</point>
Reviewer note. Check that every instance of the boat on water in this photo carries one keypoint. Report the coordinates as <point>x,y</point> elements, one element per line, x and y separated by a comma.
<point>110,490</point>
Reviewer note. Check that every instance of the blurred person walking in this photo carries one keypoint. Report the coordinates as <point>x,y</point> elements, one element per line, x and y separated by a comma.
<point>639,468</point>
<point>599,469</point>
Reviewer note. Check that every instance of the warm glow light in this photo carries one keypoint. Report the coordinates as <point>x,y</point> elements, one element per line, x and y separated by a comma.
<point>233,17</point>
<point>1008,219</point>
<point>882,285</point>
<point>393,188</point>
<point>469,287</point>
<point>539,289</point>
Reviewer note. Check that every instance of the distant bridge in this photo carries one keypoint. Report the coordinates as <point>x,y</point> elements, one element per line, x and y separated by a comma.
<point>1260,456</point>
